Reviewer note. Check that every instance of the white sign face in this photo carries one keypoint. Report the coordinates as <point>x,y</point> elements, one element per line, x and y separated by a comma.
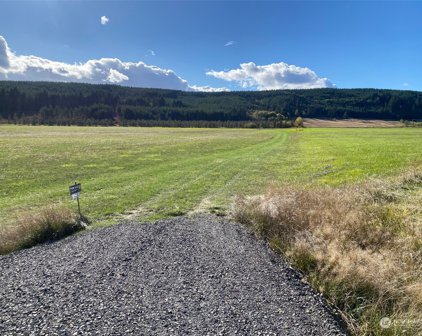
<point>75,190</point>
<point>75,196</point>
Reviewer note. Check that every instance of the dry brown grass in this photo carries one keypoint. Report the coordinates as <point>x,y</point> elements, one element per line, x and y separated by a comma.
<point>31,228</point>
<point>361,123</point>
<point>360,245</point>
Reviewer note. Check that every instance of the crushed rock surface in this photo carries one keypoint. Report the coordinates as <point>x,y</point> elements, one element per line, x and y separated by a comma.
<point>200,275</point>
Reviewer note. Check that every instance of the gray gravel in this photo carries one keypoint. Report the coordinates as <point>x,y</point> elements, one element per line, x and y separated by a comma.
<point>199,275</point>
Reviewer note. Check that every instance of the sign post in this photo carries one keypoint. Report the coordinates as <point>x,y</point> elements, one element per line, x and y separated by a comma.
<point>75,191</point>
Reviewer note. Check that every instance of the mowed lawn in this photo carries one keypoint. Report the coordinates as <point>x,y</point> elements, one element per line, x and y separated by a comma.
<point>156,172</point>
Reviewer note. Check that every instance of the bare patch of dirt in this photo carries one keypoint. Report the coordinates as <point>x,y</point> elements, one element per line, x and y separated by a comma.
<point>202,207</point>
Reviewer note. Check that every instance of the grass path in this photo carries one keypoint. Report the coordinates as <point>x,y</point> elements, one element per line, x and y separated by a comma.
<point>157,172</point>
<point>224,173</point>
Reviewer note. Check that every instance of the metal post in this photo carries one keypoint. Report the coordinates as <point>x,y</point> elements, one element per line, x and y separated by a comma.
<point>79,209</point>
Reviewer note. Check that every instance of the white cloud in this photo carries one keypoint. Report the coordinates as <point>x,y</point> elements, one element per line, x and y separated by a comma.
<point>229,43</point>
<point>116,77</point>
<point>4,51</point>
<point>403,84</point>
<point>150,52</point>
<point>104,20</point>
<point>97,71</point>
<point>207,89</point>
<point>273,76</point>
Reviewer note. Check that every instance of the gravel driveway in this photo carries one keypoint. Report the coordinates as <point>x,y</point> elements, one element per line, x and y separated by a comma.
<point>198,275</point>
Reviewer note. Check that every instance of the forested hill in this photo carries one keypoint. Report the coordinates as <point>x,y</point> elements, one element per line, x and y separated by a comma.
<point>87,104</point>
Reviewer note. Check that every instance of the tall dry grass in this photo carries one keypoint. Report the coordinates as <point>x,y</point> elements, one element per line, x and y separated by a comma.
<point>360,245</point>
<point>31,228</point>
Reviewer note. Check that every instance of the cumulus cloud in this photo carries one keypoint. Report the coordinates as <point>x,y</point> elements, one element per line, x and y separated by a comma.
<point>4,54</point>
<point>116,77</point>
<point>228,44</point>
<point>273,76</point>
<point>207,89</point>
<point>104,20</point>
<point>97,71</point>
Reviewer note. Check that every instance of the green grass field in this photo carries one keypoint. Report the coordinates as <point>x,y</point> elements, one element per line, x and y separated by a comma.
<point>157,172</point>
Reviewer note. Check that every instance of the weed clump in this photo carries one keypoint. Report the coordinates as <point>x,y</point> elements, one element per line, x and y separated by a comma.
<point>32,228</point>
<point>360,245</point>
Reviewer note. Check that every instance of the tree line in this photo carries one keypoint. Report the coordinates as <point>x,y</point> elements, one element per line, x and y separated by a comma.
<point>87,104</point>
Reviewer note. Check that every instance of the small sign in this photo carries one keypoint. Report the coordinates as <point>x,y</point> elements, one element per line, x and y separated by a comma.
<point>75,190</point>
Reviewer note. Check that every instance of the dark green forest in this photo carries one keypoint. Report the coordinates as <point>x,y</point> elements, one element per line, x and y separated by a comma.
<point>50,103</point>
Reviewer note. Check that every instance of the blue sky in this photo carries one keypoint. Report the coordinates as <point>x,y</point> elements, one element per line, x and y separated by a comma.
<point>280,44</point>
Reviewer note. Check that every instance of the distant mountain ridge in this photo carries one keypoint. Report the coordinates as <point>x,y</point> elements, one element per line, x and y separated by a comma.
<point>90,104</point>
